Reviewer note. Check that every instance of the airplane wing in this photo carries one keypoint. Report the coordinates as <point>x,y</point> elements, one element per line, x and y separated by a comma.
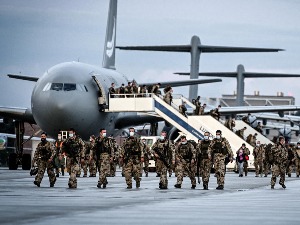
<point>183,82</point>
<point>28,78</point>
<point>211,74</point>
<point>246,74</point>
<point>255,109</point>
<point>202,48</point>
<point>17,113</point>
<point>273,116</point>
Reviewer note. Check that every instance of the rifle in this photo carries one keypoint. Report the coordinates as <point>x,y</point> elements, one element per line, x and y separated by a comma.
<point>162,157</point>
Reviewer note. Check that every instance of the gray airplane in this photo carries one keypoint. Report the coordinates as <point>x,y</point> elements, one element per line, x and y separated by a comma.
<point>66,95</point>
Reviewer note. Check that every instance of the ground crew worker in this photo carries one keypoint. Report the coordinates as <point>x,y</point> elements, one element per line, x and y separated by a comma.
<point>104,151</point>
<point>74,148</point>
<point>204,160</point>
<point>279,158</point>
<point>132,155</point>
<point>259,157</point>
<point>185,156</point>
<point>43,157</point>
<point>163,150</point>
<point>220,148</point>
<point>297,158</point>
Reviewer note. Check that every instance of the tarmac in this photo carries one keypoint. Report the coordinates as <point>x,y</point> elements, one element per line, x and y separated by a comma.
<point>245,200</point>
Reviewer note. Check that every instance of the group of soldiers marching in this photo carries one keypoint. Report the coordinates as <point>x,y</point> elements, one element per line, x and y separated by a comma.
<point>184,157</point>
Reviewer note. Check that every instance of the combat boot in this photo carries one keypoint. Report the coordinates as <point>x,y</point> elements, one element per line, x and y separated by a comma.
<point>36,183</point>
<point>84,175</point>
<point>163,187</point>
<point>272,186</point>
<point>57,175</point>
<point>297,175</point>
<point>289,175</point>
<point>104,185</point>
<point>146,174</point>
<point>193,186</point>
<point>266,175</point>
<point>51,184</point>
<point>160,185</point>
<point>177,185</point>
<point>220,187</point>
<point>98,185</point>
<point>137,184</point>
<point>205,186</point>
<point>129,186</point>
<point>283,186</point>
<point>77,175</point>
<point>157,175</point>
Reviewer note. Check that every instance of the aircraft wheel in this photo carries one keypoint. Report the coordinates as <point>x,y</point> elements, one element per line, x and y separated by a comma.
<point>13,161</point>
<point>26,162</point>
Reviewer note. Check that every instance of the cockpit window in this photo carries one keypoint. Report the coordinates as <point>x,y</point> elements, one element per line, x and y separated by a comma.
<point>56,86</point>
<point>65,87</point>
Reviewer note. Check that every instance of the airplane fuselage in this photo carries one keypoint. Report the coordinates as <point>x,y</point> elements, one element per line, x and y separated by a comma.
<point>66,96</point>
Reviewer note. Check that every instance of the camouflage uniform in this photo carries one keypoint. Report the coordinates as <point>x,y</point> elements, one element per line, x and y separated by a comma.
<point>168,97</point>
<point>267,165</point>
<point>104,151</point>
<point>204,161</point>
<point>58,145</point>
<point>44,156</point>
<point>198,105</point>
<point>60,164</point>
<point>113,163</point>
<point>184,154</point>
<point>74,149</point>
<point>147,156</point>
<point>259,157</point>
<point>182,110</point>
<point>165,148</point>
<point>297,160</point>
<point>90,159</point>
<point>290,161</point>
<point>131,153</point>
<point>279,158</point>
<point>220,149</point>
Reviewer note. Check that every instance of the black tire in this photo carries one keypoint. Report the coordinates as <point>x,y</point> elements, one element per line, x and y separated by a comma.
<point>26,162</point>
<point>13,161</point>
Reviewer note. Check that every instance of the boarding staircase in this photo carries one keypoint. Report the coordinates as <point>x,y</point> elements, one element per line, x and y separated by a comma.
<point>193,126</point>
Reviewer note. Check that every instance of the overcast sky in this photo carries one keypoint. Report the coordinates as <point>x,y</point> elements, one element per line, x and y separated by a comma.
<point>36,35</point>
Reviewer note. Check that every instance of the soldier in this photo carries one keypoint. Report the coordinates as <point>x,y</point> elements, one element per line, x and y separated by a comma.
<point>185,156</point>
<point>220,149</point>
<point>279,158</point>
<point>112,90</point>
<point>121,91</point>
<point>182,109</point>
<point>290,161</point>
<point>132,156</point>
<point>198,105</point>
<point>128,90</point>
<point>58,145</point>
<point>215,112</point>
<point>204,160</point>
<point>60,164</point>
<point>74,148</point>
<point>259,157</point>
<point>230,123</point>
<point>267,165</point>
<point>43,157</point>
<point>147,156</point>
<point>240,132</point>
<point>91,163</point>
<point>104,151</point>
<point>163,150</point>
<point>242,158</point>
<point>143,91</point>
<point>168,95</point>
<point>113,163</point>
<point>259,127</point>
<point>202,108</point>
<point>297,158</point>
<point>253,140</point>
<point>155,89</point>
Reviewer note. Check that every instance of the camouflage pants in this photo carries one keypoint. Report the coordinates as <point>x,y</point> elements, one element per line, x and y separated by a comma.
<point>74,168</point>
<point>113,168</point>
<point>245,165</point>
<point>84,167</point>
<point>42,166</point>
<point>163,181</point>
<point>278,170</point>
<point>297,166</point>
<point>267,168</point>
<point>289,168</point>
<point>183,167</point>
<point>158,167</point>
<point>146,165</point>
<point>205,166</point>
<point>132,168</point>
<point>259,166</point>
<point>219,165</point>
<point>104,165</point>
<point>68,165</point>
<point>92,167</point>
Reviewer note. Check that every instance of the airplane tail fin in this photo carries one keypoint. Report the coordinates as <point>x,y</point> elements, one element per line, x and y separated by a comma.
<point>110,38</point>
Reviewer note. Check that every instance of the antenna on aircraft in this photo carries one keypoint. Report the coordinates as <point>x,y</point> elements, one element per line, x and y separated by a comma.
<point>240,75</point>
<point>195,49</point>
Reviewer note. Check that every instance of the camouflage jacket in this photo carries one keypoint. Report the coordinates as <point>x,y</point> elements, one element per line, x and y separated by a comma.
<point>74,147</point>
<point>203,151</point>
<point>44,151</point>
<point>166,148</point>
<point>279,154</point>
<point>131,148</point>
<point>220,148</point>
<point>259,152</point>
<point>296,153</point>
<point>102,145</point>
<point>186,152</point>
